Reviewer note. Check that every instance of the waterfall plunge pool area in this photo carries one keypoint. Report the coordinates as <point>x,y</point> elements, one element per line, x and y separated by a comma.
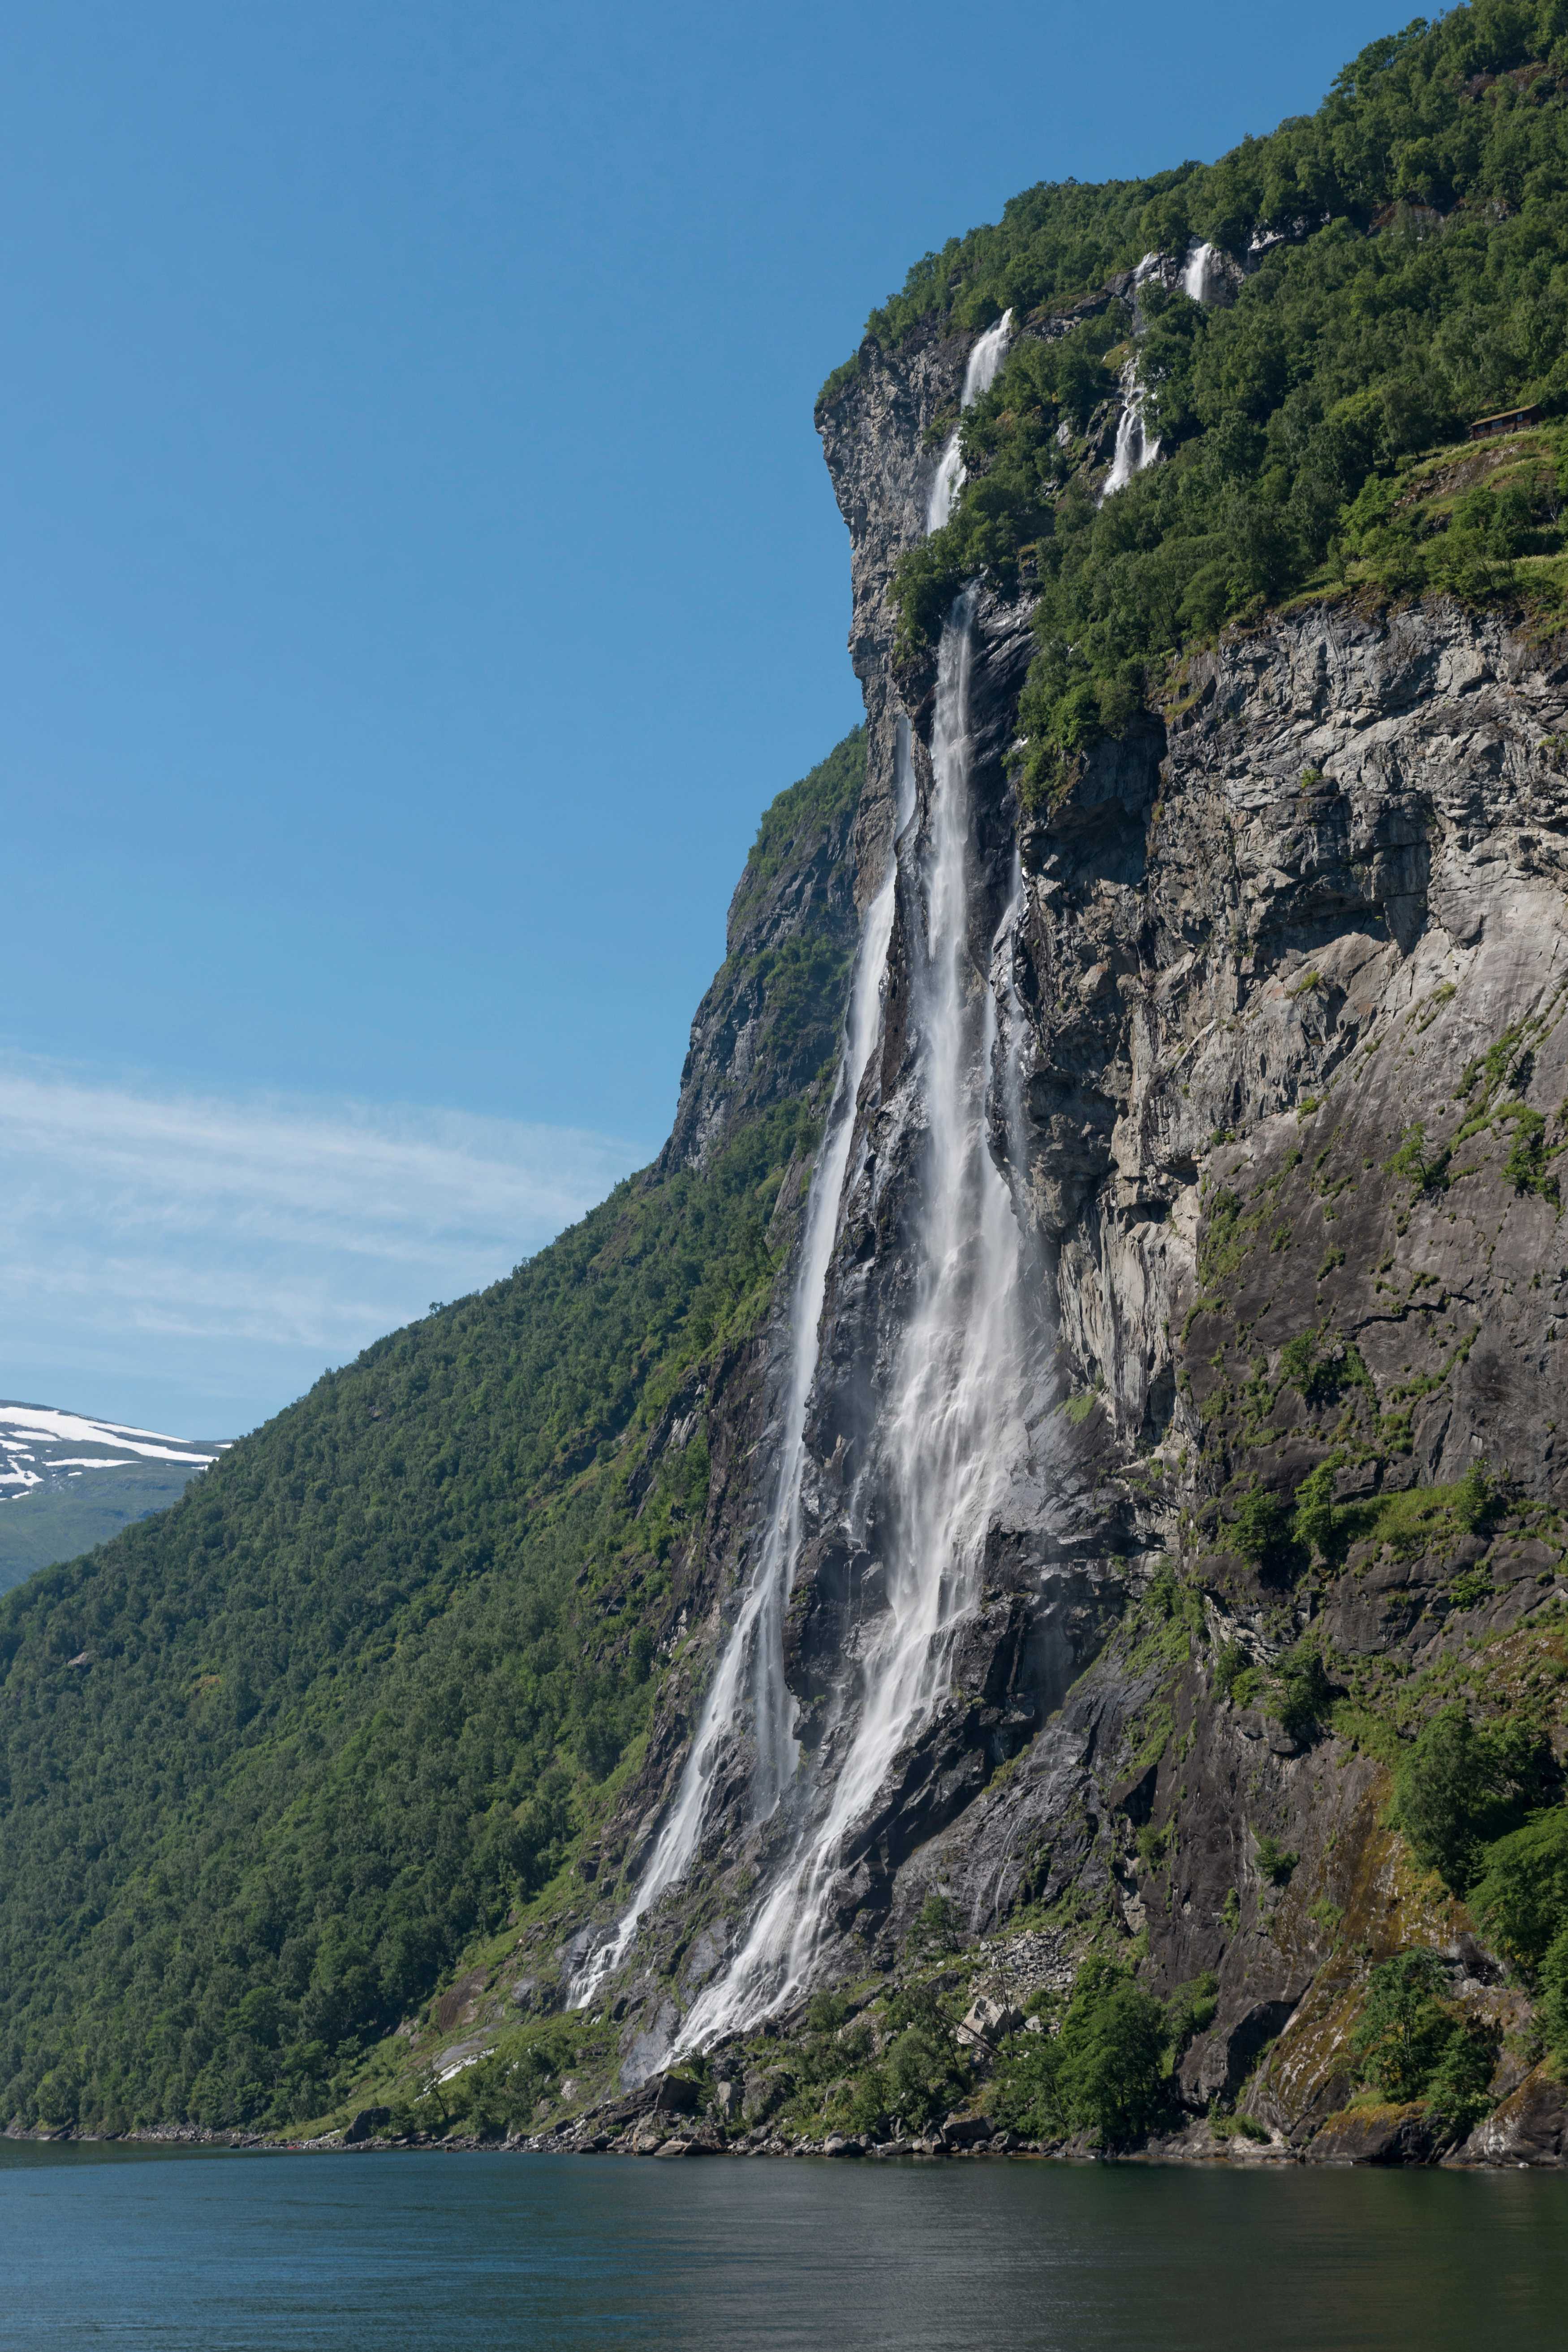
<point>115,2245</point>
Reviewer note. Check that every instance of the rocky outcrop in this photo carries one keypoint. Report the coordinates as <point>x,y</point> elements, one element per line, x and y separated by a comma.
<point>1284,990</point>
<point>1529,2127</point>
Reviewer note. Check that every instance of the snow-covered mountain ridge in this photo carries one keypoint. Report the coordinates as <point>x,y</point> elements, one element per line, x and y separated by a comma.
<point>68,1481</point>
<point>40,1447</point>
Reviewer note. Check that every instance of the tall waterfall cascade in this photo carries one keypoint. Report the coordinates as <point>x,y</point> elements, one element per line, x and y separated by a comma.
<point>1134,448</point>
<point>953,1418</point>
<point>753,1656</point>
<point>954,1388</point>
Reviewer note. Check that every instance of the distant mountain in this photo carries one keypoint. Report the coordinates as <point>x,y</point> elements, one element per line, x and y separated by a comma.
<point>69,1482</point>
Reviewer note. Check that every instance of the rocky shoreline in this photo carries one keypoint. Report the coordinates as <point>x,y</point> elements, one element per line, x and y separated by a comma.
<point>1528,2130</point>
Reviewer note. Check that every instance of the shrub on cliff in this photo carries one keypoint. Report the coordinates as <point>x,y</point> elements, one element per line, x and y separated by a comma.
<point>1103,2072</point>
<point>1464,1785</point>
<point>1412,2044</point>
<point>1520,1898</point>
<point>1404,2028</point>
<point>923,2073</point>
<point>1553,2010</point>
<point>1110,2077</point>
<point>937,1929</point>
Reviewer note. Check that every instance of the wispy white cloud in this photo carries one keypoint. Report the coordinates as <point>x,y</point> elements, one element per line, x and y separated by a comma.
<point>138,1216</point>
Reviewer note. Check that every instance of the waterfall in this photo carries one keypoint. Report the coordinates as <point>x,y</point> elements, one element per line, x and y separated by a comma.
<point>950,1430</point>
<point>755,1648</point>
<point>773,1703</point>
<point>979,376</point>
<point>1195,275</point>
<point>1135,451</point>
<point>951,1433</point>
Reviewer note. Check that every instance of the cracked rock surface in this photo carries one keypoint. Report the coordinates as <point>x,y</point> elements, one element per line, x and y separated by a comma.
<point>1287,997</point>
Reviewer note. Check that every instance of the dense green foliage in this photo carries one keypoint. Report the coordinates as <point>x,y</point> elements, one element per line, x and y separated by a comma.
<point>1105,2069</point>
<point>1411,2043</point>
<point>269,1761</point>
<point>1421,280</point>
<point>1475,1803</point>
<point>1521,1894</point>
<point>793,824</point>
<point>922,2075</point>
<point>1463,1785</point>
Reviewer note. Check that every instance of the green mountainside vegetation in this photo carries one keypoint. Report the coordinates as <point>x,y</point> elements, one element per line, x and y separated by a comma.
<point>1419,280</point>
<point>268,1762</point>
<point>271,1762</point>
<point>57,1522</point>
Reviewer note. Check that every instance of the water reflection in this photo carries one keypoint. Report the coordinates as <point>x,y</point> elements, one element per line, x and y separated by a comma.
<point>330,2254</point>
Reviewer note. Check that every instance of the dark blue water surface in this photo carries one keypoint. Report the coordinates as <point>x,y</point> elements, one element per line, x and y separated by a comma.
<point>119,2246</point>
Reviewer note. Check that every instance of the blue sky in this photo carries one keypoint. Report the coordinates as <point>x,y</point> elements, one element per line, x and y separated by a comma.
<point>419,572</point>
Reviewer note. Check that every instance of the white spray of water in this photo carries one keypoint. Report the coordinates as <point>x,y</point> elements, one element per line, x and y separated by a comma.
<point>1134,450</point>
<point>755,1644</point>
<point>944,1450</point>
<point>1195,275</point>
<point>950,1433</point>
<point>978,377</point>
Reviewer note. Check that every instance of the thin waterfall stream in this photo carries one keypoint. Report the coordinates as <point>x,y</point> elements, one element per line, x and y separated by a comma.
<point>1134,448</point>
<point>951,1431</point>
<point>1198,272</point>
<point>979,376</point>
<point>753,1652</point>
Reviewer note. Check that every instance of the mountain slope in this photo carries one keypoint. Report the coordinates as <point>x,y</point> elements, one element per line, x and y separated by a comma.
<point>1212,836</point>
<point>268,1761</point>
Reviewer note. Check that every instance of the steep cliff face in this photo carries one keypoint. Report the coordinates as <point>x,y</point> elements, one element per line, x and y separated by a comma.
<point>768,1027</point>
<point>1276,1080</point>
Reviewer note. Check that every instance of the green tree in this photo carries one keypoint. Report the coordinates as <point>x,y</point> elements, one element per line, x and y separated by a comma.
<point>1405,2027</point>
<point>1259,1527</point>
<point>1554,1997</point>
<point>1110,2076</point>
<point>1520,1898</point>
<point>1462,1785</point>
<point>1313,1525</point>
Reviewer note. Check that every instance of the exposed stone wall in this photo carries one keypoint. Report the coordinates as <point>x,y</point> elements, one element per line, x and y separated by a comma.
<point>1264,941</point>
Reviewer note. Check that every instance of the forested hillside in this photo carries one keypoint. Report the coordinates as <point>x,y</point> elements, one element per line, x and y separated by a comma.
<point>268,1761</point>
<point>1262,748</point>
<point>1383,271</point>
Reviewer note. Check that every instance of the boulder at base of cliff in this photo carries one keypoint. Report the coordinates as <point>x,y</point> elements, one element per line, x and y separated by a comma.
<point>1392,2135</point>
<point>987,2022</point>
<point>1530,2127</point>
<point>677,2095</point>
<point>364,2126</point>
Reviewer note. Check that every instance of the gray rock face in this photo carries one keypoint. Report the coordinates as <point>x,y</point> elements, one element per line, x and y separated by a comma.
<point>1530,2127</point>
<point>1342,885</point>
<point>1286,996</point>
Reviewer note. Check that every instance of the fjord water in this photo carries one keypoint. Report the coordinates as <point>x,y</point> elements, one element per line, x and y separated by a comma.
<point>245,2253</point>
